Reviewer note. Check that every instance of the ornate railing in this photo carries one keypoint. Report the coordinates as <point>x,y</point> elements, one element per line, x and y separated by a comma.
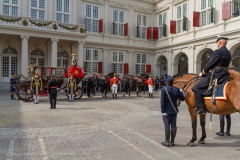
<point>41,24</point>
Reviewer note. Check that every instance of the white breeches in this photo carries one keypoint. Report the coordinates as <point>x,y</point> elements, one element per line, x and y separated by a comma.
<point>114,88</point>
<point>150,89</point>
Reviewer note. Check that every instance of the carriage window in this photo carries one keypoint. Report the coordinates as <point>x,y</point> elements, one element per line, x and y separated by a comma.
<point>91,60</point>
<point>10,7</point>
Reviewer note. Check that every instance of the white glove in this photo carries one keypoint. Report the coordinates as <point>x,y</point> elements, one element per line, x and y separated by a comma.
<point>200,74</point>
<point>181,90</point>
<point>164,114</point>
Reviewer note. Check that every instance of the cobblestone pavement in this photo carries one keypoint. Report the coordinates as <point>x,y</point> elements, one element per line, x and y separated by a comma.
<point>107,129</point>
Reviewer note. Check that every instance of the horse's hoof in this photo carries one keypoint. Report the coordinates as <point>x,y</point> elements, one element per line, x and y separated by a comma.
<point>201,142</point>
<point>190,144</point>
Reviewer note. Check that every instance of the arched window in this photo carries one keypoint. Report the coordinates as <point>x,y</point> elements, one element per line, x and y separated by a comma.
<point>9,62</point>
<point>37,57</point>
<point>62,59</point>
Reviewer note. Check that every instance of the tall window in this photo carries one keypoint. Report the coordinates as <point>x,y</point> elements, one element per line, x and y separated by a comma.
<point>92,16</point>
<point>235,8</point>
<point>162,20</point>
<point>9,62</point>
<point>142,26</point>
<point>62,9</point>
<point>206,12</point>
<point>118,19</point>
<point>91,60</point>
<point>10,7</point>
<point>38,9</point>
<point>118,62</point>
<point>37,57</point>
<point>181,12</point>
<point>141,63</point>
<point>62,59</point>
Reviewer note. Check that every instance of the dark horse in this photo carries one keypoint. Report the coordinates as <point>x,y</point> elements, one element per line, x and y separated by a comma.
<point>104,84</point>
<point>90,84</point>
<point>125,85</point>
<point>138,83</point>
<point>222,107</point>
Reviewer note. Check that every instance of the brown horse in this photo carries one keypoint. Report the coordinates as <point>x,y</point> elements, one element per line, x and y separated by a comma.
<point>222,107</point>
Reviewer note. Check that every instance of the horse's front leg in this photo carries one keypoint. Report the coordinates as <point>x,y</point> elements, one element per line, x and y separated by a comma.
<point>203,124</point>
<point>194,127</point>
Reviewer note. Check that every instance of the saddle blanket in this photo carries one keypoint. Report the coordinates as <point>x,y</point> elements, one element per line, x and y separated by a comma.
<point>221,93</point>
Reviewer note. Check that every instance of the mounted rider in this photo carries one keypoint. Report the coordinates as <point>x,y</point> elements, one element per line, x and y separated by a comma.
<point>114,85</point>
<point>36,86</point>
<point>216,68</point>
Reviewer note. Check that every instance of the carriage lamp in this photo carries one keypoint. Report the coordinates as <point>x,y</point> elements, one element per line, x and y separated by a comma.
<point>28,91</point>
<point>76,93</point>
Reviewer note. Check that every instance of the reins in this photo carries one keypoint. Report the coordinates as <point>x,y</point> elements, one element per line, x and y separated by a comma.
<point>190,82</point>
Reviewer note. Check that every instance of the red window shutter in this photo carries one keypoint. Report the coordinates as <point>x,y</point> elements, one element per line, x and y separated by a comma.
<point>155,32</point>
<point>125,68</point>
<point>172,27</point>
<point>149,32</point>
<point>196,19</point>
<point>99,67</point>
<point>148,68</point>
<point>100,25</point>
<point>226,10</point>
<point>125,29</point>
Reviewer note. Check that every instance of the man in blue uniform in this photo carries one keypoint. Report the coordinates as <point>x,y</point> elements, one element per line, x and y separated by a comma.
<point>169,110</point>
<point>216,68</point>
<point>52,91</point>
<point>12,88</point>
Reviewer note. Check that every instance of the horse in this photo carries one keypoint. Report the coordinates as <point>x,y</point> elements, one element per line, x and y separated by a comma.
<point>104,85</point>
<point>125,85</point>
<point>221,107</point>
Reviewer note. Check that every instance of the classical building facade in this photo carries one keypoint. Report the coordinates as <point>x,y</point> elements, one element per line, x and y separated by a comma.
<point>128,36</point>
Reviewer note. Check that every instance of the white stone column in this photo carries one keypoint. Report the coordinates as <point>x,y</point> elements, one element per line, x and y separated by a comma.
<point>105,61</point>
<point>54,52</point>
<point>24,55</point>
<point>130,62</point>
<point>80,53</point>
<point>191,65</point>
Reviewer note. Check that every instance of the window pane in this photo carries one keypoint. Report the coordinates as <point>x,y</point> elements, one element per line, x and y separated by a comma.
<point>95,25</point>
<point>33,13</point>
<point>95,55</point>
<point>94,67</point>
<point>210,3</point>
<point>144,32</point>
<point>160,19</point>
<point>160,32</point>
<point>116,29</point>
<point>209,16</point>
<point>5,9</point>
<point>144,58</point>
<point>138,69</point>
<point>66,6</point>
<point>120,68</point>
<point>139,19</point>
<point>143,69</point>
<point>121,29</point>
<point>41,14</point>
<point>114,56</point>
<point>88,11</point>
<point>120,57</point>
<point>59,63</point>
<point>165,17</point>
<point>203,18</point>
<point>144,20</point>
<point>88,25</point>
<point>5,1</point>
<point>66,18</point>
<point>115,16</point>
<point>40,62</point>
<point>121,16</point>
<point>59,5</point>
<point>42,4</point>
<point>88,54</point>
<point>203,4</point>
<point>59,17</point>
<point>65,62</point>
<point>179,25</point>
<point>15,2</point>
<point>115,67</point>
<point>14,11</point>
<point>34,3</point>
<point>139,58</point>
<point>13,64</point>
<point>88,66</point>
<point>5,66</point>
<point>179,10</point>
<point>185,9</point>
<point>95,12</point>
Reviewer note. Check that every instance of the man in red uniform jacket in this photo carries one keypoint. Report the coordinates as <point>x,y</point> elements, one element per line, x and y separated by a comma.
<point>114,86</point>
<point>150,86</point>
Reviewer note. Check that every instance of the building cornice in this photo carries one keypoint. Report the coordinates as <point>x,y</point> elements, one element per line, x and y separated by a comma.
<point>144,10</point>
<point>95,1</point>
<point>118,5</point>
<point>162,8</point>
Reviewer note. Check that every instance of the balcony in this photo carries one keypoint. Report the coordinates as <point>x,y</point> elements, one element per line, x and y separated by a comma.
<point>30,23</point>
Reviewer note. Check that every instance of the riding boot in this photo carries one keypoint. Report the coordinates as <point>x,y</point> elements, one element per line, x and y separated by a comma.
<point>113,96</point>
<point>152,95</point>
<point>116,96</point>
<point>220,133</point>
<point>173,135</point>
<point>200,104</point>
<point>167,136</point>
<point>228,127</point>
<point>201,110</point>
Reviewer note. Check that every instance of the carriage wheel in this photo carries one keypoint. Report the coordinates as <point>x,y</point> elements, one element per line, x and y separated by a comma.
<point>22,91</point>
<point>80,93</point>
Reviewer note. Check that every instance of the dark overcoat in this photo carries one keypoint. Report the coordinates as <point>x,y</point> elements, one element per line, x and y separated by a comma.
<point>220,58</point>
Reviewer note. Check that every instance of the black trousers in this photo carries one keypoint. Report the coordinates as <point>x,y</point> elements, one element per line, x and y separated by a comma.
<point>170,121</point>
<point>199,101</point>
<point>53,100</point>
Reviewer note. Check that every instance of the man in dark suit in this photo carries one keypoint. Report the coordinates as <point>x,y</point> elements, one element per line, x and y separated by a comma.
<point>216,68</point>
<point>12,87</point>
<point>52,91</point>
<point>169,110</point>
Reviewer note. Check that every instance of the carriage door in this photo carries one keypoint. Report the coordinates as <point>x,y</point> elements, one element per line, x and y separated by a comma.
<point>37,57</point>
<point>9,63</point>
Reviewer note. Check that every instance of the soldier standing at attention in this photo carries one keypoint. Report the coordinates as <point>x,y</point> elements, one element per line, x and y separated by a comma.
<point>36,86</point>
<point>52,91</point>
<point>114,86</point>
<point>12,83</point>
<point>71,87</point>
<point>150,86</point>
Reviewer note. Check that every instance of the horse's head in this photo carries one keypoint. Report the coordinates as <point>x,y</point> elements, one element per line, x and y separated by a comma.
<point>180,81</point>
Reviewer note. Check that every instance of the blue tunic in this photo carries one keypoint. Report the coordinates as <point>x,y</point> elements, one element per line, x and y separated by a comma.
<point>12,82</point>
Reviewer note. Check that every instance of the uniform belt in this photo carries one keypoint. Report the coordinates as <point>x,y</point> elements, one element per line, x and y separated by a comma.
<point>53,87</point>
<point>224,68</point>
